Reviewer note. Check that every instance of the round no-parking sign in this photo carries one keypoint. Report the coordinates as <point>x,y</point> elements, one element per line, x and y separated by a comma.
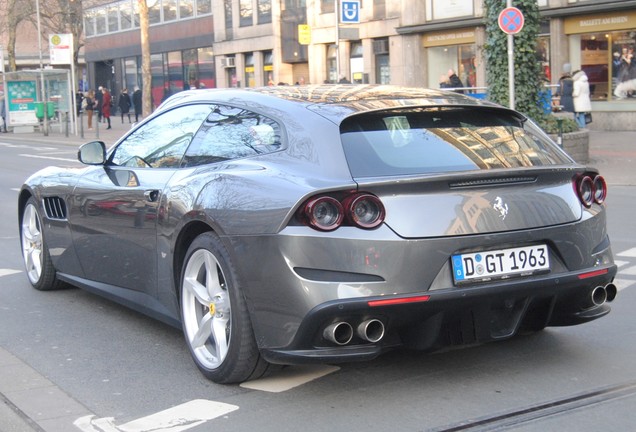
<point>511,20</point>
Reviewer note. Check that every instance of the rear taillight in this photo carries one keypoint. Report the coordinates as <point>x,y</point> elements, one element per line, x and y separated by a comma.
<point>364,210</point>
<point>323,213</point>
<point>326,213</point>
<point>590,189</point>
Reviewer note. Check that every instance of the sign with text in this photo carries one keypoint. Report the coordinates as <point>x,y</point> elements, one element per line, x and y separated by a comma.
<point>61,48</point>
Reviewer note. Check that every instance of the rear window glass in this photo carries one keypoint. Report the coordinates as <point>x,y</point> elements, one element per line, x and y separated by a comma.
<point>440,139</point>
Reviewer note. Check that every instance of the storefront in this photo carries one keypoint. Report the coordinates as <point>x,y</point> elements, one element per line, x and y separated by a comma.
<point>451,49</point>
<point>603,46</point>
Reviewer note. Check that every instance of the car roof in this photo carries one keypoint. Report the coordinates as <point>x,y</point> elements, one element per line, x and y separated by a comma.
<point>333,101</point>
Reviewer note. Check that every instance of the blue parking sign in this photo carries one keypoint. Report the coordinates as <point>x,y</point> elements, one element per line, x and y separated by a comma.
<point>350,12</point>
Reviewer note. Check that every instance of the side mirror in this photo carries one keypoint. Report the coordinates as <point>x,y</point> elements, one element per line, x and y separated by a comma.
<point>92,153</point>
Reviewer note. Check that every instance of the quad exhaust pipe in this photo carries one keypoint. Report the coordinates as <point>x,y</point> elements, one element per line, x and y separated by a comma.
<point>602,294</point>
<point>341,333</point>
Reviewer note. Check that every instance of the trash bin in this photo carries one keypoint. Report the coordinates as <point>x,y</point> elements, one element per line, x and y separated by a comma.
<point>39,110</point>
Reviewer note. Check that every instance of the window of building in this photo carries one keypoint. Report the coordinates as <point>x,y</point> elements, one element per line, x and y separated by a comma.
<point>169,10</point>
<point>356,63</point>
<point>268,67</point>
<point>250,78</point>
<point>175,73</point>
<point>113,18</point>
<point>131,76</point>
<point>100,21</point>
<point>160,90</point>
<point>207,71</point>
<point>379,9</point>
<point>382,65</point>
<point>332,64</point>
<point>264,11</point>
<point>204,7</point>
<point>459,58</point>
<point>154,13</point>
<point>326,6</point>
<point>186,9</point>
<point>126,15</point>
<point>246,13</point>
<point>190,69</point>
<point>89,23</point>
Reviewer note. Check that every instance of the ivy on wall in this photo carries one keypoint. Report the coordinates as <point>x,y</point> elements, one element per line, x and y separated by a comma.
<point>527,69</point>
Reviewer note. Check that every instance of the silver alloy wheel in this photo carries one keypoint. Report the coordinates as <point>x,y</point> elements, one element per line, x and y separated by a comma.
<point>206,309</point>
<point>32,243</point>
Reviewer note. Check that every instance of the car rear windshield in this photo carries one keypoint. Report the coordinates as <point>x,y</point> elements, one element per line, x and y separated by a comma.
<point>443,139</point>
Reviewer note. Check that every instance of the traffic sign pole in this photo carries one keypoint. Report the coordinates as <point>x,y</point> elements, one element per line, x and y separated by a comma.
<point>511,22</point>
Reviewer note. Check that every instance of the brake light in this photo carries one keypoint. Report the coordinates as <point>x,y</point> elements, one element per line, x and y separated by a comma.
<point>326,213</point>
<point>590,190</point>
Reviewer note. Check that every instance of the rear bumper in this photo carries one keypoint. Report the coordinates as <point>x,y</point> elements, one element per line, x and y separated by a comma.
<point>457,316</point>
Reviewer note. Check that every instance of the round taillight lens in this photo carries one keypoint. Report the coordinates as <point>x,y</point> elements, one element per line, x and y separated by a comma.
<point>600,189</point>
<point>324,213</point>
<point>586,191</point>
<point>365,210</point>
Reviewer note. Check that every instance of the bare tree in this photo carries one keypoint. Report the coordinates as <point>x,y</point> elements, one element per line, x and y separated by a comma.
<point>146,76</point>
<point>16,12</point>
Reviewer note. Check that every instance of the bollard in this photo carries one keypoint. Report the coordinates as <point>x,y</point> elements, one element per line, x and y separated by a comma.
<point>560,137</point>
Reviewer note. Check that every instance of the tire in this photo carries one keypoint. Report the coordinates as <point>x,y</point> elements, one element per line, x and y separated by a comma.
<point>35,252</point>
<point>214,315</point>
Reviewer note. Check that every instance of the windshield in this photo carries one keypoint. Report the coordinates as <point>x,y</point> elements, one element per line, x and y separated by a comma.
<point>441,139</point>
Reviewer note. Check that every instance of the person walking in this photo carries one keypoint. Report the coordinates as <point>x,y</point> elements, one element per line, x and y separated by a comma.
<point>3,111</point>
<point>136,98</point>
<point>581,97</point>
<point>91,104</point>
<point>124,104</point>
<point>566,87</point>
<point>106,101</point>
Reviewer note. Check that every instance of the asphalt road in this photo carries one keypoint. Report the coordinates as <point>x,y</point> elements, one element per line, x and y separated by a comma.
<point>70,357</point>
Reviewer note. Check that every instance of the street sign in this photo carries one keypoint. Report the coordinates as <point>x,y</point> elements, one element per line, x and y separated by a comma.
<point>511,20</point>
<point>350,12</point>
<point>304,34</point>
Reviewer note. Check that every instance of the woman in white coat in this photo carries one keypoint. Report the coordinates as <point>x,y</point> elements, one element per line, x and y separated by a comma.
<point>581,97</point>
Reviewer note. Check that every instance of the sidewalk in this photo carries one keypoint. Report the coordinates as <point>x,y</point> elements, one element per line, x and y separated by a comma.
<point>99,132</point>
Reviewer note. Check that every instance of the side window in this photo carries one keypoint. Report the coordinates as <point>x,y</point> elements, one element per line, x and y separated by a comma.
<point>232,133</point>
<point>161,142</point>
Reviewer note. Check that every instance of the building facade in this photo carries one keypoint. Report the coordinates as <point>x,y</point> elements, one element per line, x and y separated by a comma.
<point>247,43</point>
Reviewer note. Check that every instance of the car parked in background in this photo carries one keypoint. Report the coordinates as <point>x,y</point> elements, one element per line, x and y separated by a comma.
<point>332,223</point>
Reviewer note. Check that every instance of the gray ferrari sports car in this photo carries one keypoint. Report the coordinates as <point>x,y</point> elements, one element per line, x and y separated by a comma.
<point>330,223</point>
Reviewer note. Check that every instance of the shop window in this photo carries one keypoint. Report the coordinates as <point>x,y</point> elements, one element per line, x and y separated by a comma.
<point>459,58</point>
<point>190,69</point>
<point>207,74</point>
<point>250,80</point>
<point>332,73</point>
<point>268,67</point>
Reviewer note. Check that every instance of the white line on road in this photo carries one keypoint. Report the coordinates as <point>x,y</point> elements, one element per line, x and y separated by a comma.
<point>3,144</point>
<point>176,419</point>
<point>7,272</point>
<point>48,157</point>
<point>631,253</point>
<point>290,377</point>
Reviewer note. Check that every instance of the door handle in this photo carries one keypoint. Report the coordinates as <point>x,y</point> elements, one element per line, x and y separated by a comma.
<point>151,195</point>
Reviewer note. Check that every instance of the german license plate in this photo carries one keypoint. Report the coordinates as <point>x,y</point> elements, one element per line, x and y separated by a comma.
<point>499,264</point>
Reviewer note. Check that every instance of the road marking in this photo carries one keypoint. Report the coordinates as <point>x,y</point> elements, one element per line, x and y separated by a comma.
<point>290,377</point>
<point>631,271</point>
<point>631,253</point>
<point>48,157</point>
<point>7,272</point>
<point>3,144</point>
<point>621,284</point>
<point>176,419</point>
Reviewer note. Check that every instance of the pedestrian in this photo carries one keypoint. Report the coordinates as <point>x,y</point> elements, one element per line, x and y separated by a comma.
<point>98,97</point>
<point>91,105</point>
<point>3,112</point>
<point>79,98</point>
<point>454,82</point>
<point>581,97</point>
<point>566,87</point>
<point>137,103</point>
<point>106,104</point>
<point>124,104</point>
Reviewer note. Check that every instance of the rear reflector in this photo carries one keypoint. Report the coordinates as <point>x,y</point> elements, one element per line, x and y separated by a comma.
<point>396,301</point>
<point>593,274</point>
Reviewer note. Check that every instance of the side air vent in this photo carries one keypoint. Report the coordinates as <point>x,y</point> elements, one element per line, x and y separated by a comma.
<point>492,182</point>
<point>55,208</point>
